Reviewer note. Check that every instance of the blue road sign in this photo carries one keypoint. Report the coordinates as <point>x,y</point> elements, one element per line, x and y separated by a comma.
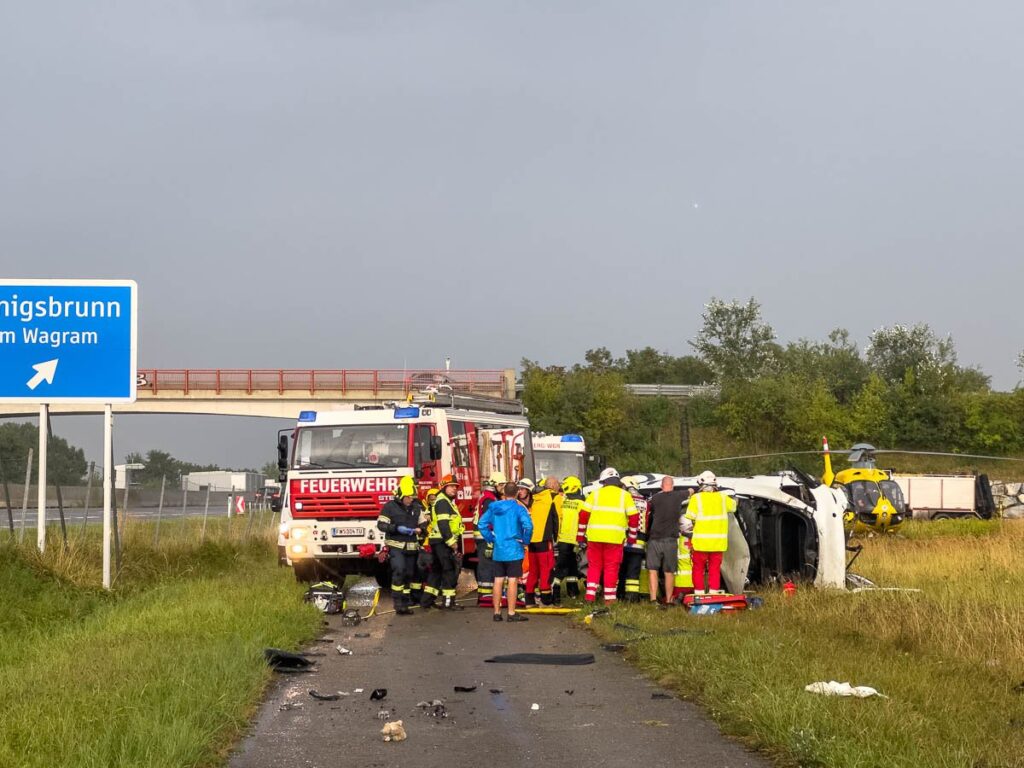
<point>68,341</point>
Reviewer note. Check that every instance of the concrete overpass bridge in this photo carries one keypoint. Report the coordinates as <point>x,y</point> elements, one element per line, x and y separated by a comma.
<point>280,393</point>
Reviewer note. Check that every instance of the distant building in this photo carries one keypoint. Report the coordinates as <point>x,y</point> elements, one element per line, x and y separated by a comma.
<point>223,480</point>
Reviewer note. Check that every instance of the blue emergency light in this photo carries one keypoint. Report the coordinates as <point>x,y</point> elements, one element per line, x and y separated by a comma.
<point>572,439</point>
<point>307,415</point>
<point>413,412</point>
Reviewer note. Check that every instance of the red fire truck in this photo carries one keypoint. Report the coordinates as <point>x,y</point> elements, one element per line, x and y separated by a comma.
<point>342,466</point>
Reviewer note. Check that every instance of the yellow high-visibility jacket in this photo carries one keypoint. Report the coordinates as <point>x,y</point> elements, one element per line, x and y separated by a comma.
<point>445,521</point>
<point>608,515</point>
<point>684,570</point>
<point>709,511</point>
<point>569,525</point>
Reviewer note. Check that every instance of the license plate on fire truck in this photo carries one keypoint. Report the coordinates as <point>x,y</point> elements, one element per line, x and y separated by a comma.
<point>348,531</point>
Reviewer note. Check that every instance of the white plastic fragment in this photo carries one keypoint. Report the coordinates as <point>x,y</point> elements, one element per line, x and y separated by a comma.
<point>535,707</point>
<point>832,688</point>
<point>343,651</point>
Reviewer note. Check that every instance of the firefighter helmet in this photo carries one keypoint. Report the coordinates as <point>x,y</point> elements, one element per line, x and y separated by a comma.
<point>528,484</point>
<point>496,479</point>
<point>707,478</point>
<point>406,487</point>
<point>572,484</point>
<point>631,483</point>
<point>608,473</point>
<point>448,480</point>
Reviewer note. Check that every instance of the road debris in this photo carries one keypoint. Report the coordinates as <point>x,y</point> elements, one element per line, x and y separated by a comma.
<point>496,691</point>
<point>325,696</point>
<point>661,696</point>
<point>357,690</point>
<point>435,708</point>
<point>557,659</point>
<point>570,692</point>
<point>379,694</point>
<point>535,707</point>
<point>655,723</point>
<point>361,635</point>
<point>383,714</point>
<point>465,688</point>
<point>290,705</point>
<point>342,650</point>
<point>832,688</point>
<point>614,646</point>
<point>394,731</point>
<point>285,661</point>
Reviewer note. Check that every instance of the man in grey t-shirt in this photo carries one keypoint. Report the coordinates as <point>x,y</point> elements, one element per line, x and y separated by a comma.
<point>665,511</point>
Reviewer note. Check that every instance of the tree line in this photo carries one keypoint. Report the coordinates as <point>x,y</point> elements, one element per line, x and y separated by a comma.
<point>905,389</point>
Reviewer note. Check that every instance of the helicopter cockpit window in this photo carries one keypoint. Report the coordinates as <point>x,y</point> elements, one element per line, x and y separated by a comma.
<point>864,495</point>
<point>892,491</point>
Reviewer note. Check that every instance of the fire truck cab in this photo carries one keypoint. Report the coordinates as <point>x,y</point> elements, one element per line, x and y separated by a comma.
<point>344,465</point>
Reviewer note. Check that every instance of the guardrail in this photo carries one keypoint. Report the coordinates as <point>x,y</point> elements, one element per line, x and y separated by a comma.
<point>672,390</point>
<point>343,381</point>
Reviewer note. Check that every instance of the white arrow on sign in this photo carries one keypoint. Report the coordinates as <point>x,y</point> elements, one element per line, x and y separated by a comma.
<point>44,372</point>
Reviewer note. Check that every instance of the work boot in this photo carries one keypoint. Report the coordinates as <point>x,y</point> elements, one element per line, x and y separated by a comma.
<point>531,600</point>
<point>556,593</point>
<point>517,617</point>
<point>546,599</point>
<point>404,611</point>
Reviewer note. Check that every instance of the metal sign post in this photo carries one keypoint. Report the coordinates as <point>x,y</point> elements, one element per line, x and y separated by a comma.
<point>108,488</point>
<point>44,415</point>
<point>69,341</point>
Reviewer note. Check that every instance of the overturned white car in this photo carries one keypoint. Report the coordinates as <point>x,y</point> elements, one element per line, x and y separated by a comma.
<point>786,526</point>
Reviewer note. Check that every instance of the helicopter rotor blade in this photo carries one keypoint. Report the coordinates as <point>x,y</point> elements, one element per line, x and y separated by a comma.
<point>767,456</point>
<point>954,455</point>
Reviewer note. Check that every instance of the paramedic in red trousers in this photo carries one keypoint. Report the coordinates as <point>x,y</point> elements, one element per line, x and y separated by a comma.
<point>706,522</point>
<point>484,564</point>
<point>544,511</point>
<point>608,520</point>
<point>399,519</point>
<point>506,526</point>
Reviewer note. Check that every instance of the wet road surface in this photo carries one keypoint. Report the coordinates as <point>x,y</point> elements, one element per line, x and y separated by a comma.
<point>602,714</point>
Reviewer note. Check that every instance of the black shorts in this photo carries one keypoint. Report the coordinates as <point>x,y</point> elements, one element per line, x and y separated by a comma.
<point>508,569</point>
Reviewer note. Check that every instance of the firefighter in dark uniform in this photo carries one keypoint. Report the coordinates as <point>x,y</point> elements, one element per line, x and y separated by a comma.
<point>633,554</point>
<point>422,571</point>
<point>445,537</point>
<point>400,521</point>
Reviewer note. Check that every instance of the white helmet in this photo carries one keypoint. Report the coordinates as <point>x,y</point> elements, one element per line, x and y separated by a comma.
<point>497,478</point>
<point>630,482</point>
<point>608,473</point>
<point>707,477</point>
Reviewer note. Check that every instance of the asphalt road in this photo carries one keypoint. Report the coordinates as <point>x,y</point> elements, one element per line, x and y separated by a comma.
<point>602,714</point>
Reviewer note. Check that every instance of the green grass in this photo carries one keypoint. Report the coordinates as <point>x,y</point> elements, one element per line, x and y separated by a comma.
<point>165,671</point>
<point>949,657</point>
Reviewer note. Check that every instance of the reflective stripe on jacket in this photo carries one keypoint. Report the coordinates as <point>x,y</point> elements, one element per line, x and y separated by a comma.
<point>568,528</point>
<point>445,522</point>
<point>637,541</point>
<point>684,568</point>
<point>709,511</point>
<point>486,498</point>
<point>393,515</point>
<point>608,515</point>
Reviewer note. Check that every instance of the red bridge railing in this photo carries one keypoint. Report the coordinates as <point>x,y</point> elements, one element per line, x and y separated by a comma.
<point>281,380</point>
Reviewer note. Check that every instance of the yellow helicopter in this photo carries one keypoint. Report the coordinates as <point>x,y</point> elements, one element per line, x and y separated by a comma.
<point>876,500</point>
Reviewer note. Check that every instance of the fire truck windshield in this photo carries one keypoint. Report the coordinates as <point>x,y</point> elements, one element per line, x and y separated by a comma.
<point>558,464</point>
<point>352,446</point>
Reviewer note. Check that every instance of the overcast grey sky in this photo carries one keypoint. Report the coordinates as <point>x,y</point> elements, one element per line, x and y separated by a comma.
<point>342,184</point>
